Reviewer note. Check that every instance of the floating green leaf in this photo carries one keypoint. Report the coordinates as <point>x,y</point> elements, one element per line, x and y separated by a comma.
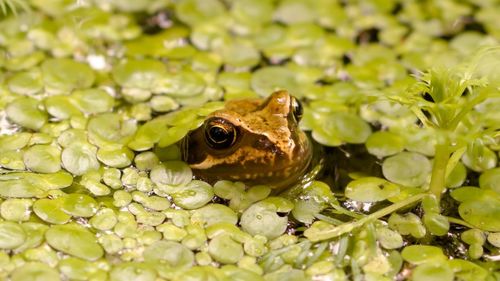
<point>180,84</point>
<point>194,195</point>
<point>79,205</point>
<point>214,213</point>
<point>12,235</point>
<point>370,189</point>
<point>50,210</point>
<point>118,158</point>
<point>60,106</point>
<point>171,173</point>
<point>64,75</point>
<point>35,271</point>
<point>483,212</point>
<point>109,130</point>
<point>43,158</point>
<point>79,159</point>
<point>142,74</point>
<point>407,168</point>
<point>92,101</point>
<point>74,240</point>
<point>26,83</point>
<point>434,272</point>
<point>418,254</point>
<point>195,12</point>
<point>490,179</point>
<point>16,209</point>
<point>224,249</point>
<point>383,144</point>
<point>169,253</point>
<point>269,79</point>
<point>25,112</point>
<point>262,218</point>
<point>133,271</point>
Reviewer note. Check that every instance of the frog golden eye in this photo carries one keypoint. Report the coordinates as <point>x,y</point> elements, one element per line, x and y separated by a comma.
<point>297,109</point>
<point>219,133</point>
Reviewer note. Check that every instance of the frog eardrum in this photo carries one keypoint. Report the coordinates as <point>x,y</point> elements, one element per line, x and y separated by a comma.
<point>256,141</point>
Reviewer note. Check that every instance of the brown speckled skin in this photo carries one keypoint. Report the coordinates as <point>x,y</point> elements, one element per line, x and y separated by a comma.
<point>269,149</point>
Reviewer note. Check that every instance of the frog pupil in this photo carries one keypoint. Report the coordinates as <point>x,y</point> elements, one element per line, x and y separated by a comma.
<point>218,134</point>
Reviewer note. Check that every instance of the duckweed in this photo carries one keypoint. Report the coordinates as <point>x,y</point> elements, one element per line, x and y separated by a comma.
<point>104,219</point>
<point>26,83</point>
<point>42,159</point>
<point>370,189</point>
<point>141,74</point>
<point>16,209</point>
<point>133,271</point>
<point>194,195</point>
<point>224,249</point>
<point>60,106</point>
<point>116,158</point>
<point>75,268</point>
<point>240,199</point>
<point>34,235</point>
<point>169,253</point>
<point>12,235</point>
<point>92,101</point>
<point>35,271</point>
<point>79,159</point>
<point>74,240</point>
<point>263,219</point>
<point>171,174</point>
<point>79,205</point>
<point>214,213</point>
<point>55,78</point>
<point>407,168</point>
<point>26,113</point>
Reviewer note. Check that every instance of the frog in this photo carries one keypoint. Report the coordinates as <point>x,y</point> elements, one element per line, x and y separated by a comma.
<point>254,140</point>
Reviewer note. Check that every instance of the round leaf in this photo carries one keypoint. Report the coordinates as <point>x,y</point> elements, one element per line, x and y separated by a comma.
<point>370,189</point>
<point>25,112</point>
<point>407,168</point>
<point>74,240</point>
<point>63,75</point>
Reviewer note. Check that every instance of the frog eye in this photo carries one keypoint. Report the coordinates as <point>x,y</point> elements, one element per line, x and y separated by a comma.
<point>297,109</point>
<point>219,133</point>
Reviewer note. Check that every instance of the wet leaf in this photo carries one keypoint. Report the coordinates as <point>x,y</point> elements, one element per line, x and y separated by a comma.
<point>25,112</point>
<point>64,75</point>
<point>371,189</point>
<point>43,158</point>
<point>79,159</point>
<point>142,74</point>
<point>12,235</point>
<point>74,240</point>
<point>35,271</point>
<point>262,219</point>
<point>407,168</point>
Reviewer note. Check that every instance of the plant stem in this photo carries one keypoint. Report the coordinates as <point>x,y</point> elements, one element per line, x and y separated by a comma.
<point>438,177</point>
<point>335,231</point>
<point>389,209</point>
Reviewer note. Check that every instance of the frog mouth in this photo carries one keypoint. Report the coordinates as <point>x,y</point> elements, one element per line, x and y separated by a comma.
<point>273,177</point>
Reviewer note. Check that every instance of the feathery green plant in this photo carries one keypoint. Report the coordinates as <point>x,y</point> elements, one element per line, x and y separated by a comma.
<point>7,6</point>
